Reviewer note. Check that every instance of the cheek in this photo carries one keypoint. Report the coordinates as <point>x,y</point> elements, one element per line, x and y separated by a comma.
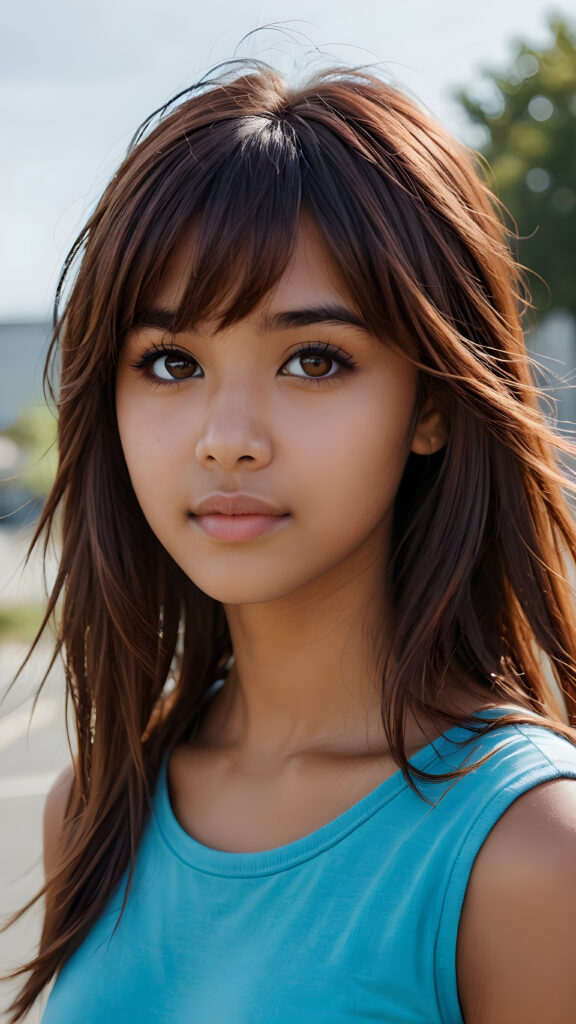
<point>149,446</point>
<point>357,459</point>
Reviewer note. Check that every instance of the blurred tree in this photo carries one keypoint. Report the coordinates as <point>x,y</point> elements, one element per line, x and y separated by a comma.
<point>525,127</point>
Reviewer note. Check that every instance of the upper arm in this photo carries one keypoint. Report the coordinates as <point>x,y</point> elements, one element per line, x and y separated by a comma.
<point>517,935</point>
<point>54,810</point>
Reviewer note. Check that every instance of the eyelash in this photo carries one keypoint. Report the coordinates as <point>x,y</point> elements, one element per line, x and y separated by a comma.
<point>318,348</point>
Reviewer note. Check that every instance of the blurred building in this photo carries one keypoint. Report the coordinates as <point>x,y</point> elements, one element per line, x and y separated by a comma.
<point>23,347</point>
<point>23,350</point>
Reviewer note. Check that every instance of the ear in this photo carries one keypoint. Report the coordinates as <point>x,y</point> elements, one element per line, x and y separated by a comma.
<point>431,430</point>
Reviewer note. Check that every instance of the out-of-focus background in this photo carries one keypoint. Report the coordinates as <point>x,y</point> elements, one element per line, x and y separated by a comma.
<point>75,82</point>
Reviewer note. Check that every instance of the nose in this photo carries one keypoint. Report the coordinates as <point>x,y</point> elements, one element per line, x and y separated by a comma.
<point>233,432</point>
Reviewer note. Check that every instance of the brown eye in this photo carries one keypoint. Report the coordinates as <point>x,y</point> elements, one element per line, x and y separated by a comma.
<point>175,366</point>
<point>319,365</point>
<point>319,361</point>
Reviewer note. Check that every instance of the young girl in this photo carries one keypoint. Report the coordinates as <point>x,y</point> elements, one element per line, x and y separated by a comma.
<point>313,598</point>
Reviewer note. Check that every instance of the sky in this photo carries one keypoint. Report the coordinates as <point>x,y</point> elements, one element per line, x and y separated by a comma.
<point>78,76</point>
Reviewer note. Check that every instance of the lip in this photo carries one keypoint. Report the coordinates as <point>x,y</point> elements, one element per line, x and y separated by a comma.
<point>237,503</point>
<point>238,527</point>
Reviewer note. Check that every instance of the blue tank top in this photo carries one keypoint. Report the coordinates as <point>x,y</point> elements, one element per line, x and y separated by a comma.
<point>355,922</point>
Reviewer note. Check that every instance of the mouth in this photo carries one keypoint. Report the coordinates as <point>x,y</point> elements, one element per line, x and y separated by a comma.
<point>238,526</point>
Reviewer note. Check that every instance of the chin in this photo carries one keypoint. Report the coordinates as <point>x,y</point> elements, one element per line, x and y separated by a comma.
<point>245,585</point>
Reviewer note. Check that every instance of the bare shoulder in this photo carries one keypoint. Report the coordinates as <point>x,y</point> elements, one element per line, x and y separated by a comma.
<point>517,932</point>
<point>54,810</point>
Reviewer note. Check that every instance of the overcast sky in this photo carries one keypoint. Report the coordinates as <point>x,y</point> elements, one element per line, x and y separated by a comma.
<point>78,76</point>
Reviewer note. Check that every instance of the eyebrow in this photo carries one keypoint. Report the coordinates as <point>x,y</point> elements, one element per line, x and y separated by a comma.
<point>328,313</point>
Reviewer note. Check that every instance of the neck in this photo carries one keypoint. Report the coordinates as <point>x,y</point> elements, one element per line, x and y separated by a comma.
<point>307,671</point>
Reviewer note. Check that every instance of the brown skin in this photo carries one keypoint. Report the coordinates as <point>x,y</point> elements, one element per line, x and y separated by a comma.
<point>300,601</point>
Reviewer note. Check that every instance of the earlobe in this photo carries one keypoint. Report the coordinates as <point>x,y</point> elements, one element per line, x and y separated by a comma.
<point>431,430</point>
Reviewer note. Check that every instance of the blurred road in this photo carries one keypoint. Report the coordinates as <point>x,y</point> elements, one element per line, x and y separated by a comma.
<point>32,753</point>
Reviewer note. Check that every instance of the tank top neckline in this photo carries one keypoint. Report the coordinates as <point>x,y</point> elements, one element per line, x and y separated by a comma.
<point>262,862</point>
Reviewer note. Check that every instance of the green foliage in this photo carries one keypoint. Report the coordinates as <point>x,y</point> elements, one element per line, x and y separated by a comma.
<point>35,434</point>
<point>19,623</point>
<point>528,124</point>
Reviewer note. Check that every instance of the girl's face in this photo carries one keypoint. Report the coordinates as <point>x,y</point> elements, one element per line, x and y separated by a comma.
<point>324,435</point>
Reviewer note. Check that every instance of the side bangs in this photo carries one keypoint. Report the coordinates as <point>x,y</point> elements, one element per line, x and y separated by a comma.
<point>391,247</point>
<point>226,212</point>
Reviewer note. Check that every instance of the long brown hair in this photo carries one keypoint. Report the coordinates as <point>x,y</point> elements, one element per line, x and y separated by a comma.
<point>482,531</point>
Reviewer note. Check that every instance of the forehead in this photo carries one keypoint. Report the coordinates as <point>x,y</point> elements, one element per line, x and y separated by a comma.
<point>311,278</point>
